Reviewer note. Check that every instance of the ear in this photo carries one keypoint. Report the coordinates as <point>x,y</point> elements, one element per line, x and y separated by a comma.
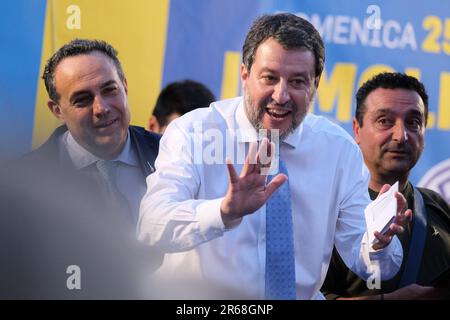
<point>317,81</point>
<point>356,128</point>
<point>125,85</point>
<point>244,74</point>
<point>55,109</point>
<point>153,125</point>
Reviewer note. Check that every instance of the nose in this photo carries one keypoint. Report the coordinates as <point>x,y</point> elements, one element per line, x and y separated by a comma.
<point>281,93</point>
<point>100,106</point>
<point>400,133</point>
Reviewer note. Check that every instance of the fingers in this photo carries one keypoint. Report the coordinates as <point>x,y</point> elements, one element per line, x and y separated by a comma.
<point>383,240</point>
<point>258,158</point>
<point>397,227</point>
<point>250,160</point>
<point>275,183</point>
<point>264,156</point>
<point>231,171</point>
<point>400,222</point>
<point>408,215</point>
<point>401,203</point>
<point>383,189</point>
<point>394,228</point>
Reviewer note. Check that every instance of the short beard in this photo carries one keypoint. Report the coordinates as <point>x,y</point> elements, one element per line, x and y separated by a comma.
<point>255,115</point>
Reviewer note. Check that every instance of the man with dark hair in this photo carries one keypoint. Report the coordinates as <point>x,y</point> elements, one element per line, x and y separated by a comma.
<point>176,99</point>
<point>250,235</point>
<point>389,126</point>
<point>74,201</point>
<point>74,48</point>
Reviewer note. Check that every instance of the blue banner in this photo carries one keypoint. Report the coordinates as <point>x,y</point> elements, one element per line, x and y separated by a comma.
<point>203,42</point>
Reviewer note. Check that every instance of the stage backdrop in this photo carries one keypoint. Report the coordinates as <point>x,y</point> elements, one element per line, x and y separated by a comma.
<point>166,40</point>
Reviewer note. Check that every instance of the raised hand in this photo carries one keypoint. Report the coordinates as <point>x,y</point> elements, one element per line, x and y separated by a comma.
<point>248,192</point>
<point>402,217</point>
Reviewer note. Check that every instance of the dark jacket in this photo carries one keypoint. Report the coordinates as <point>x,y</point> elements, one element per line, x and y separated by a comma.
<point>52,217</point>
<point>435,263</point>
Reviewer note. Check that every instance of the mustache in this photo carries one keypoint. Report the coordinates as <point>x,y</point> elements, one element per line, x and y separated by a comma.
<point>270,102</point>
<point>396,147</point>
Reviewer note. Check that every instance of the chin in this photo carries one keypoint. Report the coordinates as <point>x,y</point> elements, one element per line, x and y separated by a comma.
<point>398,170</point>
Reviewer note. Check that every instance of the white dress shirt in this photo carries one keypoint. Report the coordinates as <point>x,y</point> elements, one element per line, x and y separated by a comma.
<point>180,213</point>
<point>129,178</point>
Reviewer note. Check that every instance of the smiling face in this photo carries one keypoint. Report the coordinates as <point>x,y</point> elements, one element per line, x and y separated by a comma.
<point>391,136</point>
<point>280,87</point>
<point>93,103</point>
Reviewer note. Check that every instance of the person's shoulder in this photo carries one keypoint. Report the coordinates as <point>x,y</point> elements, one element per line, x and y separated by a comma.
<point>34,165</point>
<point>322,125</point>
<point>226,106</point>
<point>216,115</point>
<point>431,194</point>
<point>142,132</point>
<point>47,153</point>
<point>146,143</point>
<point>434,199</point>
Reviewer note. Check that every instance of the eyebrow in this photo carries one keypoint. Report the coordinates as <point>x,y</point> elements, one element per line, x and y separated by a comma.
<point>385,111</point>
<point>296,74</point>
<point>382,111</point>
<point>87,92</point>
<point>416,112</point>
<point>107,83</point>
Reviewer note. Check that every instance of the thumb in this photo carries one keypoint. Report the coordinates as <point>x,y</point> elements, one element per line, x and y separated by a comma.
<point>383,189</point>
<point>276,182</point>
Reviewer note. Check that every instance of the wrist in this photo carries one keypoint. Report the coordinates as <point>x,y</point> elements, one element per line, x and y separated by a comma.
<point>228,220</point>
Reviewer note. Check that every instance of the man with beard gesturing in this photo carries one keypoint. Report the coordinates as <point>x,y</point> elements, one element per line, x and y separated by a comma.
<point>254,234</point>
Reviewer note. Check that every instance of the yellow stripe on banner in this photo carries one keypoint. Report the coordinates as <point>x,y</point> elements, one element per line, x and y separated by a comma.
<point>372,71</point>
<point>231,76</point>
<point>413,72</point>
<point>44,121</point>
<point>444,102</point>
<point>137,29</point>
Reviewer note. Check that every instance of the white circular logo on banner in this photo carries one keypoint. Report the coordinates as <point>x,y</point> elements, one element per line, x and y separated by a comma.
<point>438,179</point>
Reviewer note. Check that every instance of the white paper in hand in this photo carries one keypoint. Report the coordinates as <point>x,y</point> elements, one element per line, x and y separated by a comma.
<point>381,212</point>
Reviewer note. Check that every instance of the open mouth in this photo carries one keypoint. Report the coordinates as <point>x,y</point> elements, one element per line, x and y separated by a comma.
<point>278,113</point>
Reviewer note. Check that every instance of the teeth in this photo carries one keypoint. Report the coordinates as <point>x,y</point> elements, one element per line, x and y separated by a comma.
<point>278,112</point>
<point>106,124</point>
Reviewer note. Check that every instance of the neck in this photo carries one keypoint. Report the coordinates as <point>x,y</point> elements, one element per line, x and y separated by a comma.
<point>377,182</point>
<point>108,153</point>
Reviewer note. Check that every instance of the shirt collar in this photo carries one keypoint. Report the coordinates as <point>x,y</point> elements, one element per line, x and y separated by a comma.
<point>247,133</point>
<point>82,158</point>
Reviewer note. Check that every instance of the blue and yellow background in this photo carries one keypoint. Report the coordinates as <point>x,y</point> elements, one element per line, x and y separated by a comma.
<point>160,41</point>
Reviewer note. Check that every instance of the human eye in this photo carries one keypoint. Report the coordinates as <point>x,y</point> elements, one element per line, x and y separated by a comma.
<point>384,122</point>
<point>415,124</point>
<point>110,89</point>
<point>82,100</point>
<point>298,82</point>
<point>269,78</point>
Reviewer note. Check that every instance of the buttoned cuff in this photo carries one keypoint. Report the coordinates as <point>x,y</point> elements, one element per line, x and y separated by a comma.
<point>210,219</point>
<point>389,258</point>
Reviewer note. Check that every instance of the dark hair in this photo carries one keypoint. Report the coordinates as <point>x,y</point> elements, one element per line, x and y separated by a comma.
<point>74,48</point>
<point>290,31</point>
<point>181,97</point>
<point>388,80</point>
